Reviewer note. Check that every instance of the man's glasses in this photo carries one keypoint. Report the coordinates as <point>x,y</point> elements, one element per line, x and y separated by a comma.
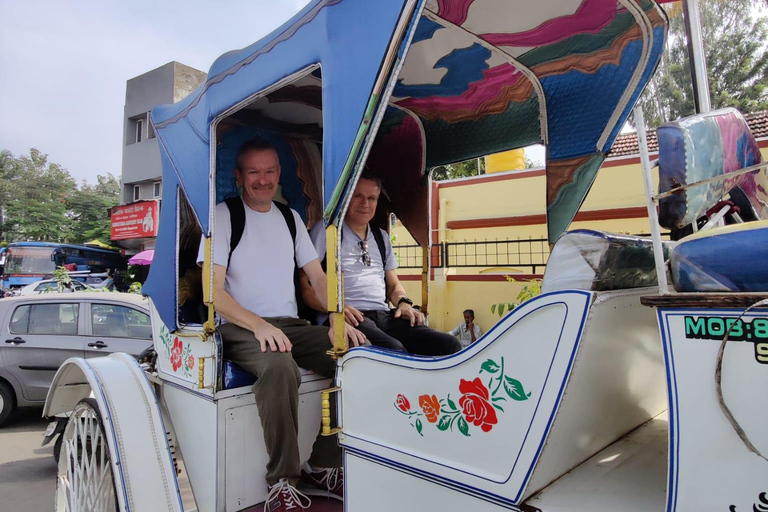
<point>366,256</point>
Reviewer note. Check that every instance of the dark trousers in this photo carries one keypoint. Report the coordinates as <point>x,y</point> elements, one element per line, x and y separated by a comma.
<point>277,391</point>
<point>384,330</point>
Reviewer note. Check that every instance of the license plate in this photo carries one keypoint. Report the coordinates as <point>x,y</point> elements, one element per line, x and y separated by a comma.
<point>51,428</point>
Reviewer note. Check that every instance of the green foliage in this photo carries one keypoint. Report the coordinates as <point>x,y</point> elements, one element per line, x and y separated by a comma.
<point>472,167</point>
<point>88,209</point>
<point>40,201</point>
<point>135,288</point>
<point>61,277</point>
<point>530,289</point>
<point>734,34</point>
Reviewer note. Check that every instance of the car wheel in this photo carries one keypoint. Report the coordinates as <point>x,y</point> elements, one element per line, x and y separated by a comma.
<point>85,478</point>
<point>7,401</point>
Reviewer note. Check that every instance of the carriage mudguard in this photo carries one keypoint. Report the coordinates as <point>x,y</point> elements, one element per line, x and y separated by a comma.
<point>142,464</point>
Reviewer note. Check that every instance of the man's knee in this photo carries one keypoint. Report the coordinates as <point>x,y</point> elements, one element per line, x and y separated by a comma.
<point>453,345</point>
<point>280,373</point>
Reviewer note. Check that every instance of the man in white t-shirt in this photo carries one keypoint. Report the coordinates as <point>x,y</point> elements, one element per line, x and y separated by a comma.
<point>255,294</point>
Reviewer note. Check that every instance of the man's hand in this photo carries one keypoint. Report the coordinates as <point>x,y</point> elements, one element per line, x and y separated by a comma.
<point>268,334</point>
<point>352,316</point>
<point>354,337</point>
<point>470,326</point>
<point>404,310</point>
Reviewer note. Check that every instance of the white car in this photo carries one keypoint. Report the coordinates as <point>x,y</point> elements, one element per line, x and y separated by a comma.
<point>49,285</point>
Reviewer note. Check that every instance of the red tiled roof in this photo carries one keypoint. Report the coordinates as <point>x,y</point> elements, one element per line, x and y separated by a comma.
<point>626,144</point>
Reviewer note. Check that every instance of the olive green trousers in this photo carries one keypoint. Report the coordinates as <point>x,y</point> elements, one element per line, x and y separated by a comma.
<point>277,391</point>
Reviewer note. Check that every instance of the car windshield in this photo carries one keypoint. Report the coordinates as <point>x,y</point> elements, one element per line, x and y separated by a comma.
<point>30,260</point>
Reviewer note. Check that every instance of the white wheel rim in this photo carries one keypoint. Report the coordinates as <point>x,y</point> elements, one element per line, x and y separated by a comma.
<point>85,481</point>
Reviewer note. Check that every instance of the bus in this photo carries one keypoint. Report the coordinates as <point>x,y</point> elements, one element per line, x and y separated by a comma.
<point>28,262</point>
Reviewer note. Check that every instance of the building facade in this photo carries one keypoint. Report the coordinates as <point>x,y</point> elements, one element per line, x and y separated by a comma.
<point>142,169</point>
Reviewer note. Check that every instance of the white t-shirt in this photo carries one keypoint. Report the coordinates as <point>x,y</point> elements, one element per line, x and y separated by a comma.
<point>260,273</point>
<point>365,286</point>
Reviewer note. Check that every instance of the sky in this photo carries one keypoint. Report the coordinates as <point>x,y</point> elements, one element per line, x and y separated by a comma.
<point>64,64</point>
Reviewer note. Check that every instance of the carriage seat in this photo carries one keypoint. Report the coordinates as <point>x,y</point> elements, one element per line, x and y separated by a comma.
<point>590,260</point>
<point>701,147</point>
<point>234,376</point>
<point>698,148</point>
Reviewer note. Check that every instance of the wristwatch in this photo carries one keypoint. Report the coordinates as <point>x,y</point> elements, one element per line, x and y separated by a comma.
<point>406,300</point>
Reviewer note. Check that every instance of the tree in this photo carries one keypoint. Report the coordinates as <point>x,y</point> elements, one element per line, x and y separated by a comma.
<point>40,201</point>
<point>88,209</point>
<point>459,169</point>
<point>7,184</point>
<point>734,34</point>
<point>38,206</point>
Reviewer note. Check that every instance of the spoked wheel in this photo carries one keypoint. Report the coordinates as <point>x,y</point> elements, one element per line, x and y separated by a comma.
<point>85,480</point>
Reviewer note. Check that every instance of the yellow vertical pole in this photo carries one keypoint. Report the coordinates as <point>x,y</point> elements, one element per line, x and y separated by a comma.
<point>335,292</point>
<point>210,325</point>
<point>425,279</point>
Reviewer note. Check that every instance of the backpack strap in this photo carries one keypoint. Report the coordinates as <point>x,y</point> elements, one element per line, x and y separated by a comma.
<point>380,242</point>
<point>291,221</point>
<point>237,223</point>
<point>302,309</point>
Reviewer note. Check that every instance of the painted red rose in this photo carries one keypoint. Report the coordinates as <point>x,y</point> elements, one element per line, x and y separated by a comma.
<point>475,404</point>
<point>190,362</point>
<point>431,407</point>
<point>176,351</point>
<point>402,403</point>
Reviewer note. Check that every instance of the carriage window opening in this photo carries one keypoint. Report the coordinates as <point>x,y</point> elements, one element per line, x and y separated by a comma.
<point>191,309</point>
<point>136,192</point>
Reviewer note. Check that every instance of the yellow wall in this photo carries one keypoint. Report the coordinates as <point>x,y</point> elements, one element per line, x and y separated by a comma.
<point>616,187</point>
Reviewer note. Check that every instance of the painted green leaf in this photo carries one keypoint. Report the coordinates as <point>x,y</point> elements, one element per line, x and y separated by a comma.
<point>498,407</point>
<point>419,426</point>
<point>451,404</point>
<point>463,426</point>
<point>515,390</point>
<point>444,423</point>
<point>489,366</point>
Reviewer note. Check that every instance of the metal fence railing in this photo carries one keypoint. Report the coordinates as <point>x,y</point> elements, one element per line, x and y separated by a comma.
<point>529,254</point>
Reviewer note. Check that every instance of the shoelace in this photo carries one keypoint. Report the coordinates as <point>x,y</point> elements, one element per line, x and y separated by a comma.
<point>292,497</point>
<point>332,477</point>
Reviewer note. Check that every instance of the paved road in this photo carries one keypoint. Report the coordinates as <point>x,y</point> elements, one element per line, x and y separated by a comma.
<point>27,471</point>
